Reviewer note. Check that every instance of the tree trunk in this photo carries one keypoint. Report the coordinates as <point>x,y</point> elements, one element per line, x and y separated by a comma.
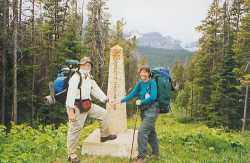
<point>76,6</point>
<point>239,14</point>
<point>99,44</point>
<point>15,23</point>
<point>20,36</point>
<point>4,50</point>
<point>56,21</point>
<point>82,23</point>
<point>192,99</point>
<point>33,62</point>
<point>65,14</point>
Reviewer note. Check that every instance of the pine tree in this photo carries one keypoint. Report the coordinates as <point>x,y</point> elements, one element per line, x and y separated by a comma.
<point>96,36</point>
<point>225,98</point>
<point>236,13</point>
<point>207,59</point>
<point>214,88</point>
<point>203,85</point>
<point>242,50</point>
<point>227,95</point>
<point>242,44</point>
<point>178,74</point>
<point>209,42</point>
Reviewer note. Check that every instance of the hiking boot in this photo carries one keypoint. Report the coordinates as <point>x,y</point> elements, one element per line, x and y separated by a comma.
<point>139,160</point>
<point>74,160</point>
<point>110,137</point>
<point>155,156</point>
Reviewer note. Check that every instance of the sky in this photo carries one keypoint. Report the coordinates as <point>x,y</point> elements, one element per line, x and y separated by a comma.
<point>177,18</point>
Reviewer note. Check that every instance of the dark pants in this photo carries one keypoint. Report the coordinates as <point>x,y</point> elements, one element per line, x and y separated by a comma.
<point>147,133</point>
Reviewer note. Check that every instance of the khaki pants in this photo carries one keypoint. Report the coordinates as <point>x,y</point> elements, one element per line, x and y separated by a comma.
<point>74,129</point>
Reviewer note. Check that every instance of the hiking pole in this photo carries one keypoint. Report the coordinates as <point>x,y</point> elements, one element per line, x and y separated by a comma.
<point>136,115</point>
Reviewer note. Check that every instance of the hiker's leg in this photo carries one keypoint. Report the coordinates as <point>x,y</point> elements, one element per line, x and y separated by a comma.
<point>153,141</point>
<point>100,113</point>
<point>143,134</point>
<point>74,133</point>
<point>152,138</point>
<point>149,117</point>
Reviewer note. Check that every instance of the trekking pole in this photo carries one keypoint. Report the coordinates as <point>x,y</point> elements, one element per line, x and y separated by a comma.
<point>131,152</point>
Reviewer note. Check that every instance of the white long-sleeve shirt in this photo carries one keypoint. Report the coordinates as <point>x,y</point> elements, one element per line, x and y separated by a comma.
<point>89,87</point>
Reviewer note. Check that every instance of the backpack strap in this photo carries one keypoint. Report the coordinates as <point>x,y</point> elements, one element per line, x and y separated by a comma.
<point>156,80</point>
<point>80,83</point>
<point>149,88</point>
<point>171,83</point>
<point>139,86</point>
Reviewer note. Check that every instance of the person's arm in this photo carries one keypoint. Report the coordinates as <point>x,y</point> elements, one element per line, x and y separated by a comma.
<point>97,92</point>
<point>132,94</point>
<point>72,91</point>
<point>153,94</point>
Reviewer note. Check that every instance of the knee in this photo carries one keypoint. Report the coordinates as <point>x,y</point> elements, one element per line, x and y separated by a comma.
<point>74,127</point>
<point>104,114</point>
<point>142,131</point>
<point>97,112</point>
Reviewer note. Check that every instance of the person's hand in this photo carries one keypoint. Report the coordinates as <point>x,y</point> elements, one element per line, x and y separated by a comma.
<point>72,115</point>
<point>115,101</point>
<point>138,102</point>
<point>107,100</point>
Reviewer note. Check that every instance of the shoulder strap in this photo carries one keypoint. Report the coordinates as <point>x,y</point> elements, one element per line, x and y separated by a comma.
<point>157,80</point>
<point>139,85</point>
<point>171,83</point>
<point>149,88</point>
<point>80,83</point>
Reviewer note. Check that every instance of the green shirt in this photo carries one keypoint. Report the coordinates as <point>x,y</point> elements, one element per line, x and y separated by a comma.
<point>145,91</point>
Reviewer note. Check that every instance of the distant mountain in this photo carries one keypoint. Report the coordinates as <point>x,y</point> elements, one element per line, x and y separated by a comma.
<point>163,57</point>
<point>156,40</point>
<point>193,46</point>
<point>132,34</point>
<point>161,50</point>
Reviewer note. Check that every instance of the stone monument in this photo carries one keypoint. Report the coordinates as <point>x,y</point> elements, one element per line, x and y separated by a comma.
<point>120,147</point>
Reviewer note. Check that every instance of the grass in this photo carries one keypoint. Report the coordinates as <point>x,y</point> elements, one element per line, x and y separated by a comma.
<point>186,143</point>
<point>181,141</point>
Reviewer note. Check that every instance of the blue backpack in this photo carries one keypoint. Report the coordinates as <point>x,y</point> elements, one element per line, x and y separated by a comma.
<point>60,83</point>
<point>59,88</point>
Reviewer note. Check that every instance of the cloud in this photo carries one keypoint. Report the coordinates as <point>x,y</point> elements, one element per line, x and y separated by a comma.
<point>177,18</point>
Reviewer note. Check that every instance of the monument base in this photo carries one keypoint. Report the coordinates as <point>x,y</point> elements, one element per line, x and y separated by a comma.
<point>120,147</point>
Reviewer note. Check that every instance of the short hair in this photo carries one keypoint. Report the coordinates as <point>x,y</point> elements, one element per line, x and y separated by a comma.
<point>145,68</point>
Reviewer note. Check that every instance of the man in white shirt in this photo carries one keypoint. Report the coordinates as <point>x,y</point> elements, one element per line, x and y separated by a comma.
<point>76,117</point>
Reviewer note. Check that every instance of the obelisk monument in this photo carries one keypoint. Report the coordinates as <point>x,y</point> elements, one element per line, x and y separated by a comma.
<point>120,147</point>
<point>116,89</point>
